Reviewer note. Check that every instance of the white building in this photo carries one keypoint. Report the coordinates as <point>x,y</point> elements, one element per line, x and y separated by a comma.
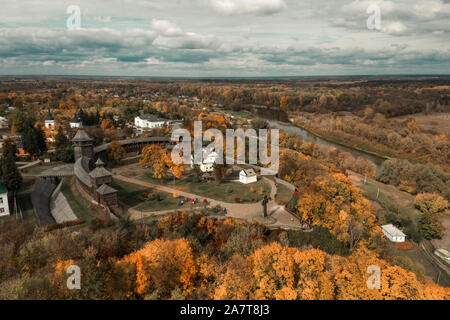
<point>393,233</point>
<point>248,176</point>
<point>208,162</point>
<point>149,121</point>
<point>49,121</point>
<point>4,206</point>
<point>76,122</point>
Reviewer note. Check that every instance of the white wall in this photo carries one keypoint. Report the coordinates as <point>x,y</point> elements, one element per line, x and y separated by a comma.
<point>141,123</point>
<point>4,206</point>
<point>49,124</point>
<point>246,180</point>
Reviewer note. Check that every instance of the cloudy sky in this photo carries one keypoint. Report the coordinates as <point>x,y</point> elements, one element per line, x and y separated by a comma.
<point>207,38</point>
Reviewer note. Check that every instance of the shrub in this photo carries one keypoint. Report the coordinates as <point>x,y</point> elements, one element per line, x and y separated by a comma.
<point>319,238</point>
<point>430,227</point>
<point>430,203</point>
<point>237,199</point>
<point>408,264</point>
<point>98,223</point>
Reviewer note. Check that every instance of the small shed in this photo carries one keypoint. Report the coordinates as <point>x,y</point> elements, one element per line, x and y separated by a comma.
<point>393,233</point>
<point>247,176</point>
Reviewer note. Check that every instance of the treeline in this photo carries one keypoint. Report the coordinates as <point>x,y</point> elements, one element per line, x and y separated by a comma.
<point>415,178</point>
<point>388,136</point>
<point>33,136</point>
<point>185,256</point>
<point>342,160</point>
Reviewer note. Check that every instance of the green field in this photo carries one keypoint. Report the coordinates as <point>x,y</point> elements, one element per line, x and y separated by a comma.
<point>390,198</point>
<point>225,191</point>
<point>24,201</point>
<point>284,194</point>
<point>79,204</point>
<point>131,195</point>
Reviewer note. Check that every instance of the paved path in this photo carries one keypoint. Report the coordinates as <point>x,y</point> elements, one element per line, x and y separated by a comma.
<point>29,165</point>
<point>234,210</point>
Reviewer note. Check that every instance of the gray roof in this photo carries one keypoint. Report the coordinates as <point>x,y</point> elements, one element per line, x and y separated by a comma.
<point>40,198</point>
<point>49,116</point>
<point>82,136</point>
<point>99,172</point>
<point>60,171</point>
<point>105,189</point>
<point>81,169</point>
<point>249,172</point>
<point>99,162</point>
<point>148,140</point>
<point>393,231</point>
<point>75,119</point>
<point>151,117</point>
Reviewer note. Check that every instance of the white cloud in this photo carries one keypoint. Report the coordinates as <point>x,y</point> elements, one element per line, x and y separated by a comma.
<point>166,28</point>
<point>101,19</point>
<point>393,28</point>
<point>235,7</point>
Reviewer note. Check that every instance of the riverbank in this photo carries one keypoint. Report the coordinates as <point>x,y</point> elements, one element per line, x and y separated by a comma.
<point>323,140</point>
<point>368,149</point>
<point>349,144</point>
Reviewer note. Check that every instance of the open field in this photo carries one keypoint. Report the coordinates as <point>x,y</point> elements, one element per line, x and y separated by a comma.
<point>131,195</point>
<point>438,122</point>
<point>40,168</point>
<point>24,200</point>
<point>390,198</point>
<point>79,204</point>
<point>419,258</point>
<point>226,191</point>
<point>284,194</point>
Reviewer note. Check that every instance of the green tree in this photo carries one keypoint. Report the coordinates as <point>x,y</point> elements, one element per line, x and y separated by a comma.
<point>65,154</point>
<point>30,143</point>
<point>9,148</point>
<point>40,138</point>
<point>430,227</point>
<point>10,175</point>
<point>61,140</point>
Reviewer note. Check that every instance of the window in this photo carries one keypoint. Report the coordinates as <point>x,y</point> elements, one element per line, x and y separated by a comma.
<point>2,210</point>
<point>1,200</point>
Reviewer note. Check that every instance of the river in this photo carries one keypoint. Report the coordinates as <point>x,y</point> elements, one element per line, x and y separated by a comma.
<point>309,137</point>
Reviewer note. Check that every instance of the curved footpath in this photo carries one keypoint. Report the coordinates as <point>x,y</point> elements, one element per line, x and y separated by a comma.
<point>234,210</point>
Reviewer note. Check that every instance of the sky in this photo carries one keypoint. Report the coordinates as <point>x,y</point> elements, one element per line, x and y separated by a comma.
<point>224,38</point>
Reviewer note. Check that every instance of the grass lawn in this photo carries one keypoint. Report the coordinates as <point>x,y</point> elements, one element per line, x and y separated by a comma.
<point>79,204</point>
<point>418,257</point>
<point>40,168</point>
<point>131,195</point>
<point>390,198</point>
<point>212,189</point>
<point>24,201</point>
<point>284,194</point>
